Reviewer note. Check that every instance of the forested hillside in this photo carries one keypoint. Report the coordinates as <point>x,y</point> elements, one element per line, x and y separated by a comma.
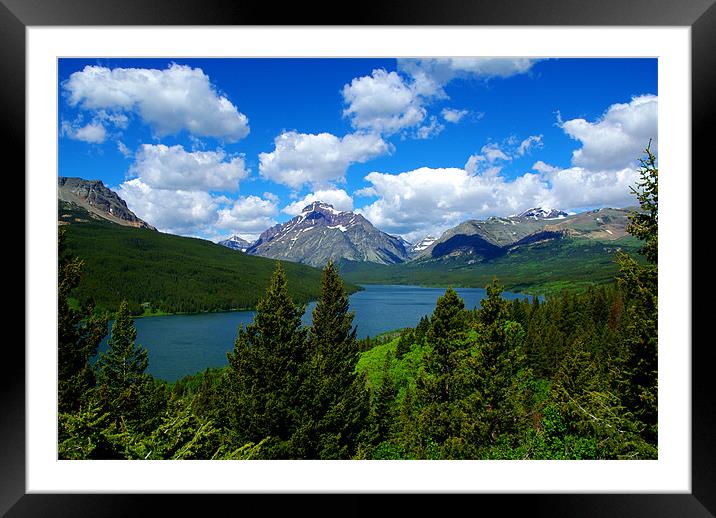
<point>160,272</point>
<point>541,268</point>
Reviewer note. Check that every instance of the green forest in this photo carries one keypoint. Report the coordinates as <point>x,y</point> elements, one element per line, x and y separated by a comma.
<point>157,273</point>
<point>571,377</point>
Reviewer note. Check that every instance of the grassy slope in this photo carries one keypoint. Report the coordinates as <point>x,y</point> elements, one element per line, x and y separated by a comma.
<point>174,274</point>
<point>542,268</point>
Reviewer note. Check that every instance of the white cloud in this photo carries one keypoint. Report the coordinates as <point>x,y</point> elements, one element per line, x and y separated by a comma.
<point>318,160</point>
<point>248,216</point>
<point>429,130</point>
<point>544,168</point>
<point>533,141</point>
<point>382,102</point>
<point>174,211</point>
<point>126,152</point>
<point>578,187</point>
<point>339,198</point>
<point>177,98</point>
<point>163,167</point>
<point>198,213</point>
<point>431,75</point>
<point>493,153</point>
<point>453,115</point>
<point>93,133</point>
<point>428,201</point>
<point>619,137</point>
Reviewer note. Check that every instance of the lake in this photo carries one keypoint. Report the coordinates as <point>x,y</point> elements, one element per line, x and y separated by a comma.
<point>185,344</point>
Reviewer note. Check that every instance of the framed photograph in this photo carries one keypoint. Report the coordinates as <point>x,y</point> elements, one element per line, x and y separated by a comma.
<point>338,127</point>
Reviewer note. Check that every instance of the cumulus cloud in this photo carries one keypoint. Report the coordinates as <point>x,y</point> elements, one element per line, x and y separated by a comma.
<point>317,159</point>
<point>176,211</point>
<point>617,138</point>
<point>339,198</point>
<point>432,74</point>
<point>164,167</point>
<point>93,133</point>
<point>542,167</point>
<point>248,216</point>
<point>177,98</point>
<point>382,102</point>
<point>453,115</point>
<point>428,201</point>
<point>199,213</point>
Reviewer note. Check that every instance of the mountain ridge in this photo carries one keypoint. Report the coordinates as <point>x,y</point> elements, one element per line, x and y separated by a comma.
<point>98,200</point>
<point>321,233</point>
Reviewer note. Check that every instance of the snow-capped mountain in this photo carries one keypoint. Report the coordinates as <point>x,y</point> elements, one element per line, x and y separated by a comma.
<point>321,233</point>
<point>495,236</point>
<point>540,213</point>
<point>235,243</point>
<point>421,245</point>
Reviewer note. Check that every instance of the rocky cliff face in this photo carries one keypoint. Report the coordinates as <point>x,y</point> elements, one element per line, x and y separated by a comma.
<point>321,233</point>
<point>93,196</point>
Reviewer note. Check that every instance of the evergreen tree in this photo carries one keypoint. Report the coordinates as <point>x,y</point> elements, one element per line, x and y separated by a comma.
<point>267,373</point>
<point>79,334</point>
<point>339,399</point>
<point>501,368</point>
<point>405,342</point>
<point>122,382</point>
<point>639,283</point>
<point>383,413</point>
<point>446,382</point>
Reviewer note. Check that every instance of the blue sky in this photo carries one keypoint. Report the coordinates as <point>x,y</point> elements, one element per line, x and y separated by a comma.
<point>220,147</point>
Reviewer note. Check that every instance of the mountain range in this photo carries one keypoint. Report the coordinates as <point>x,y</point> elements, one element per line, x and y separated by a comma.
<point>321,232</point>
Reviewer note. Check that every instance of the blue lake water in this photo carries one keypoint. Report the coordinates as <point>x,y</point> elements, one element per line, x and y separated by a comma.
<point>185,344</point>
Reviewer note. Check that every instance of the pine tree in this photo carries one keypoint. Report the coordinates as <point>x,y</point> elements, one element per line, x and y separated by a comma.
<point>267,373</point>
<point>501,367</point>
<point>339,399</point>
<point>446,384</point>
<point>121,377</point>
<point>639,283</point>
<point>79,334</point>
<point>405,342</point>
<point>383,413</point>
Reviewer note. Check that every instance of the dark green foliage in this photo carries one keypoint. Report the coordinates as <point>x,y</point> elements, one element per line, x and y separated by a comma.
<point>501,368</point>
<point>337,398</point>
<point>639,283</point>
<point>173,274</point>
<point>383,410</point>
<point>267,373</point>
<point>446,385</point>
<point>405,342</point>
<point>79,334</point>
<point>543,268</point>
<point>123,387</point>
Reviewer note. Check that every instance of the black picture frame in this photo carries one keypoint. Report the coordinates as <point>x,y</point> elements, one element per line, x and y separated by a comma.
<point>700,15</point>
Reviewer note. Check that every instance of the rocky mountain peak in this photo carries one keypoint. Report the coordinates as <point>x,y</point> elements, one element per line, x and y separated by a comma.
<point>321,232</point>
<point>235,243</point>
<point>542,213</point>
<point>96,198</point>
